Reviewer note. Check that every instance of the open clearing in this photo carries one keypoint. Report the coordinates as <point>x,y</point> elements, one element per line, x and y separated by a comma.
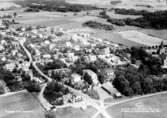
<point>156,105</point>
<point>20,105</point>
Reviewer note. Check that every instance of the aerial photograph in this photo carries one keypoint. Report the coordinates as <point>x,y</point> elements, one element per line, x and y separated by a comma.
<point>83,58</point>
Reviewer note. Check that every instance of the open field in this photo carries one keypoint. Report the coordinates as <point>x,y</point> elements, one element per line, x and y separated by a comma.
<point>70,112</point>
<point>155,105</point>
<point>20,105</point>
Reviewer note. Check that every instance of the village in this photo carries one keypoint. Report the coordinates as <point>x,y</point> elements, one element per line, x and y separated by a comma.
<point>70,56</point>
<point>73,69</point>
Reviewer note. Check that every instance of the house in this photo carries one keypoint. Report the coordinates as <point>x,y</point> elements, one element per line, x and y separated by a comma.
<point>46,56</point>
<point>90,58</point>
<point>92,75</point>
<point>165,64</point>
<point>109,74</point>
<point>67,98</point>
<point>10,66</point>
<point>76,78</point>
<point>108,87</point>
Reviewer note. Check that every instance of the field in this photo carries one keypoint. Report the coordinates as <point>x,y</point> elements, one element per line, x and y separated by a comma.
<point>71,20</point>
<point>20,105</point>
<point>116,38</point>
<point>92,2</point>
<point>7,4</point>
<point>141,38</point>
<point>151,107</point>
<point>157,33</point>
<point>70,112</point>
<point>142,4</point>
<point>45,18</point>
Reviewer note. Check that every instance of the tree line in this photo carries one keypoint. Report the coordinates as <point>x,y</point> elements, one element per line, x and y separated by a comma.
<point>148,78</point>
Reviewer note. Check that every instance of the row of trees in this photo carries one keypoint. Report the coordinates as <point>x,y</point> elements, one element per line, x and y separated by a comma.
<point>58,5</point>
<point>148,20</point>
<point>143,80</point>
<point>97,25</point>
<point>133,82</point>
<point>129,11</point>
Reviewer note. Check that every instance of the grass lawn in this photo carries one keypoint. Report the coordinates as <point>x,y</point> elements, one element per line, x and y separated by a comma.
<point>157,104</point>
<point>70,112</point>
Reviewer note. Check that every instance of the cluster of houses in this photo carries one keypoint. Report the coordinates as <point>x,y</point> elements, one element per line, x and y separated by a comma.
<point>48,44</point>
<point>68,46</point>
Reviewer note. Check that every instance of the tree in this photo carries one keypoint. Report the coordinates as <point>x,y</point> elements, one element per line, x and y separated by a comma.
<point>14,14</point>
<point>136,87</point>
<point>120,83</point>
<point>1,90</point>
<point>88,78</point>
<point>128,91</point>
<point>147,85</point>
